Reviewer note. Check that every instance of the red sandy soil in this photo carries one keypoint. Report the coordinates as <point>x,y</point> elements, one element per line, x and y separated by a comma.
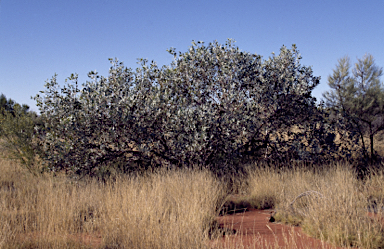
<point>376,217</point>
<point>253,230</point>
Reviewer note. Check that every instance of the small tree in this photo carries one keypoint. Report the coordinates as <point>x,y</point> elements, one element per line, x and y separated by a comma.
<point>357,99</point>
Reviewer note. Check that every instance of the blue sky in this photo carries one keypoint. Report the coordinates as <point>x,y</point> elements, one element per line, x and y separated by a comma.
<point>42,37</point>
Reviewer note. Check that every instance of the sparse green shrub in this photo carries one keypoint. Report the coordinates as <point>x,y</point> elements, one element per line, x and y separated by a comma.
<point>17,130</point>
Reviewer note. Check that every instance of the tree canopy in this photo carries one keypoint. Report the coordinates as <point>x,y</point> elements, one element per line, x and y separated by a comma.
<point>213,105</point>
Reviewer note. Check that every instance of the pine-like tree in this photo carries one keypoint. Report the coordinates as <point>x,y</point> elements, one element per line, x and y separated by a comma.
<point>357,98</point>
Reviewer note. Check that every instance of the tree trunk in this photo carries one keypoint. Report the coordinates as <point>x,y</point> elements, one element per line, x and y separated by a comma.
<point>371,139</point>
<point>364,148</point>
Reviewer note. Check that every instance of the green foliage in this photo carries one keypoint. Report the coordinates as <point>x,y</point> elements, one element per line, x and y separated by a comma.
<point>9,106</point>
<point>17,125</point>
<point>213,105</point>
<point>357,100</point>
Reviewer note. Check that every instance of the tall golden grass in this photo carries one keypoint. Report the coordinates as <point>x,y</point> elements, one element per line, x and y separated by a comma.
<point>177,208</point>
<point>330,204</point>
<point>166,209</point>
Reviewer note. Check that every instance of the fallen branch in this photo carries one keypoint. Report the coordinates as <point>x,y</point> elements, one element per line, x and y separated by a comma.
<point>310,192</point>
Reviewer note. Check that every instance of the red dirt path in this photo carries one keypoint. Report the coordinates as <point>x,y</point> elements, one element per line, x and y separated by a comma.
<point>253,230</point>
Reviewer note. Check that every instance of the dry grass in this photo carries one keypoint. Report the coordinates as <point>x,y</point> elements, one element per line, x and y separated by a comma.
<point>168,209</point>
<point>334,207</point>
<point>176,209</point>
<point>164,210</point>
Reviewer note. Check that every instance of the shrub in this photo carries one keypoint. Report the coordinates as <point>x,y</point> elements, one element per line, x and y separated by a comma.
<point>213,105</point>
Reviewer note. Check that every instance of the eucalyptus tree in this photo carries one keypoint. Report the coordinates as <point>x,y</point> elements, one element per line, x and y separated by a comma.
<point>357,99</point>
<point>213,105</point>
